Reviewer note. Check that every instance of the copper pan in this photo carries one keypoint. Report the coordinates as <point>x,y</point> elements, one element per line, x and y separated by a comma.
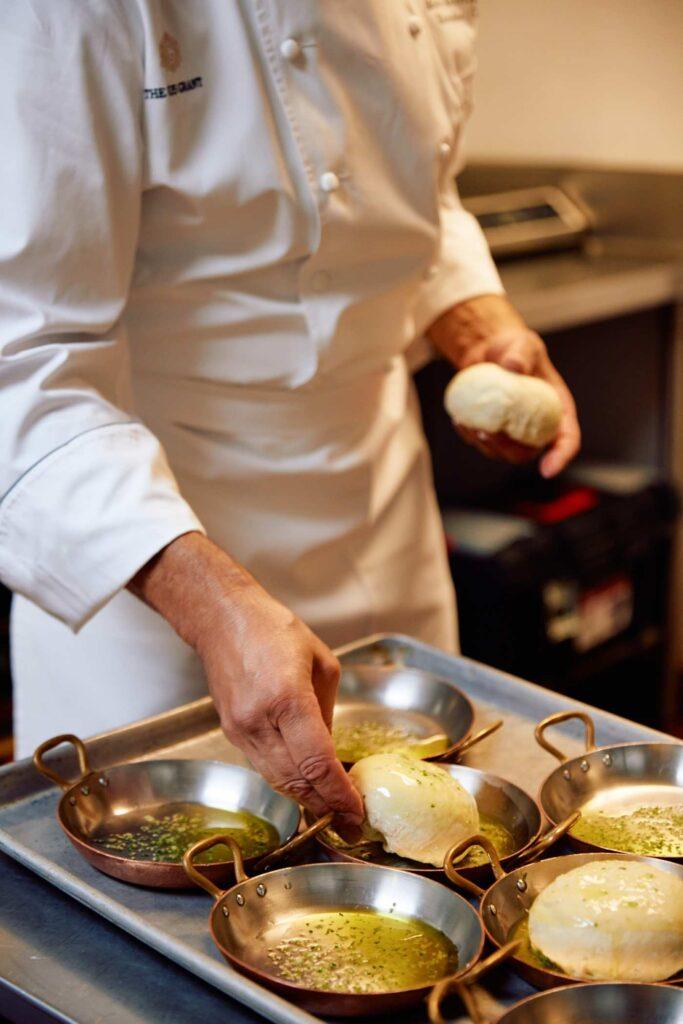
<point>497,799</point>
<point>608,778</point>
<point>95,799</point>
<point>615,1002</point>
<point>426,703</point>
<point>507,902</point>
<point>245,918</point>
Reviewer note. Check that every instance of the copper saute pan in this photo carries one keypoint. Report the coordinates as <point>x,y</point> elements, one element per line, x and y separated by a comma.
<point>247,919</point>
<point>507,902</point>
<point>92,803</point>
<point>410,697</point>
<point>497,799</point>
<point>590,1003</point>
<point>608,778</point>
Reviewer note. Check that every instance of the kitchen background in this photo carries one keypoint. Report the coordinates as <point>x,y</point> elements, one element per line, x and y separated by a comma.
<point>576,585</point>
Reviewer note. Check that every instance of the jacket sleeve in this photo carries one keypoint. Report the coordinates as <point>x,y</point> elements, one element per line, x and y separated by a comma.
<point>86,494</point>
<point>464,266</point>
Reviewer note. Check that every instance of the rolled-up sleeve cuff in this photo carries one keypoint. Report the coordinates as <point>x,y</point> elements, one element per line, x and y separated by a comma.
<point>463,268</point>
<point>78,526</point>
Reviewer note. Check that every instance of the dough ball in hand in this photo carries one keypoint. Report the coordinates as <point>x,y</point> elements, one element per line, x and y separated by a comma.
<point>489,398</point>
<point>417,809</point>
<point>611,920</point>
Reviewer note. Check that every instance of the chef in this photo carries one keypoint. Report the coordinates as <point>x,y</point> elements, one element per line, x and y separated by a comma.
<point>225,226</point>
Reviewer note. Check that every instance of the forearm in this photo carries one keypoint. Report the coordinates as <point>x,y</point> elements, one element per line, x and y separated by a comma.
<point>272,680</point>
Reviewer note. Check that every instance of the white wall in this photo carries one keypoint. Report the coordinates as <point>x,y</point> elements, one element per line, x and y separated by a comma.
<point>598,81</point>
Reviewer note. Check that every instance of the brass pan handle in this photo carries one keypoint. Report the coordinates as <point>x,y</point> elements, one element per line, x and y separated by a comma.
<point>547,840</point>
<point>461,848</point>
<point>565,716</point>
<point>207,844</point>
<point>56,741</point>
<point>275,856</point>
<point>462,985</point>
<point>468,742</point>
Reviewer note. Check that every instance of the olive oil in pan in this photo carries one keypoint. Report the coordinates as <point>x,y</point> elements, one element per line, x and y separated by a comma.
<point>650,831</point>
<point>165,833</point>
<point>358,739</point>
<point>361,951</point>
<point>528,953</point>
<point>501,837</point>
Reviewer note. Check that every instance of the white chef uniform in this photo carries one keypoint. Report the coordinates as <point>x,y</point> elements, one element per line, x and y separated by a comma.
<point>223,225</point>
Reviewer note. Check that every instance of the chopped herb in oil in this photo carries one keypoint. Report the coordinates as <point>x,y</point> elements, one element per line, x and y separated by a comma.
<point>362,951</point>
<point>355,740</point>
<point>654,831</point>
<point>166,833</point>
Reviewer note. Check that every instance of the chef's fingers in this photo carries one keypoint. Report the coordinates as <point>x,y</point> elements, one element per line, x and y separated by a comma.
<point>269,756</point>
<point>510,450</point>
<point>568,441</point>
<point>477,439</point>
<point>325,678</point>
<point>499,446</point>
<point>308,741</point>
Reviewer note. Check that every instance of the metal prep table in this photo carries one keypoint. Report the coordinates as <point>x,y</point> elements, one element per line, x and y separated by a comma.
<point>61,961</point>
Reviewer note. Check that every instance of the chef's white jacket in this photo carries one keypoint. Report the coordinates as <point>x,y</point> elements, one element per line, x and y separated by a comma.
<point>223,226</point>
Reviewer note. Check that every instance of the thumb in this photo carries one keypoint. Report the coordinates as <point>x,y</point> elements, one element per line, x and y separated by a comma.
<point>325,679</point>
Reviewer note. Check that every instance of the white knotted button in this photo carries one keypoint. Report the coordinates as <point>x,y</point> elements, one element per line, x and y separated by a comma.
<point>329,182</point>
<point>290,49</point>
<point>445,149</point>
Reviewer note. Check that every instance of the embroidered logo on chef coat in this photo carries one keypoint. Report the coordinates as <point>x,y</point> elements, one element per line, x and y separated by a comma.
<point>169,52</point>
<point>451,10</point>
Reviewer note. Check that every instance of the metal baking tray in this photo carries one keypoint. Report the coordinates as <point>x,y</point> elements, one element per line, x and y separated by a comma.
<point>175,924</point>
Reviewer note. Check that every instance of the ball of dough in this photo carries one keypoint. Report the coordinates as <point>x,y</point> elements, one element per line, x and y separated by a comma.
<point>611,920</point>
<point>487,397</point>
<point>417,809</point>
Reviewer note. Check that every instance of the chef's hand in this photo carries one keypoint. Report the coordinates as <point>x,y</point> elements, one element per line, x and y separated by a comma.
<point>272,680</point>
<point>489,329</point>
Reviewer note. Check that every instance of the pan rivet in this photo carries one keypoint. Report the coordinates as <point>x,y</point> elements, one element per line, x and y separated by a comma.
<point>566,774</point>
<point>521,885</point>
<point>72,801</point>
<point>85,791</point>
<point>584,766</point>
<point>493,910</point>
<point>288,885</point>
<point>239,899</point>
<point>260,889</point>
<point>226,912</point>
<point>607,760</point>
<point>102,781</point>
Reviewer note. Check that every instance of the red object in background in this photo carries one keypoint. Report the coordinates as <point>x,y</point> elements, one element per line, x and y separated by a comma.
<point>573,503</point>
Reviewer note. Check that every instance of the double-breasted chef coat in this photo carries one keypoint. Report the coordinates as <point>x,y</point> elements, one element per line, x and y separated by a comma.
<point>224,225</point>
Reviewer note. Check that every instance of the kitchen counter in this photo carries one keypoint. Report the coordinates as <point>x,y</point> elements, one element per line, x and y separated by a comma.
<point>559,290</point>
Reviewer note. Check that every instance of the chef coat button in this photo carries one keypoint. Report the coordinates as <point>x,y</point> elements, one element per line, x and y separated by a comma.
<point>329,182</point>
<point>290,49</point>
<point>445,149</point>
<point>320,281</point>
<point>431,272</point>
<point>414,25</point>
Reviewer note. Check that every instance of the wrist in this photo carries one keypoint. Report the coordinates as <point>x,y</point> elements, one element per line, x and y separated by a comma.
<point>464,331</point>
<point>192,583</point>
